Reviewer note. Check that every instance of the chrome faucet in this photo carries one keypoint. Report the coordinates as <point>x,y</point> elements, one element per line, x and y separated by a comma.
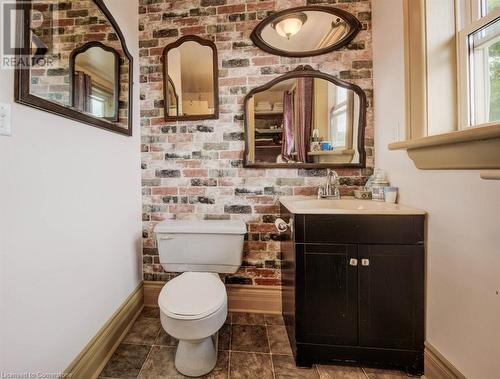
<point>331,188</point>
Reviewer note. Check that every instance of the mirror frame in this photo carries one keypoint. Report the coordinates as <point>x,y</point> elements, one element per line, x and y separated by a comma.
<point>22,93</point>
<point>308,72</point>
<point>72,64</point>
<point>354,23</point>
<point>166,77</point>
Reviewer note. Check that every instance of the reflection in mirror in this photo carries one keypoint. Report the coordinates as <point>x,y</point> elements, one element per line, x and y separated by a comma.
<point>173,98</point>
<point>305,120</point>
<point>191,83</point>
<point>306,31</point>
<point>80,67</point>
<point>95,82</point>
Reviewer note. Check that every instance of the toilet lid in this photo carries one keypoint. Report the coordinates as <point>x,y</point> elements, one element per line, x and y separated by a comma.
<point>192,295</point>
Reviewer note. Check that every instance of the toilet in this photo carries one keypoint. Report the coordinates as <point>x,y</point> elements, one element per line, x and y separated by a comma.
<point>193,305</point>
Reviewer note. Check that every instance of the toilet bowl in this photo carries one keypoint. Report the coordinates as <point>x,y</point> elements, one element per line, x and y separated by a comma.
<point>193,306</point>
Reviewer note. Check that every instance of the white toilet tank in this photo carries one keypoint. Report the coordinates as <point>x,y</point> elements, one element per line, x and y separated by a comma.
<point>200,246</point>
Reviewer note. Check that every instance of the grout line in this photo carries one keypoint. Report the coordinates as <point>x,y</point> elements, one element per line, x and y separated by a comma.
<point>149,352</point>
<point>229,347</point>
<point>159,332</point>
<point>270,353</point>
<point>144,363</point>
<point>136,344</point>
<point>230,337</point>
<point>257,352</point>
<point>171,346</point>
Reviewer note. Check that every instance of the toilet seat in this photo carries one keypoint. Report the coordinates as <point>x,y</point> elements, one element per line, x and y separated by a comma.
<point>192,296</point>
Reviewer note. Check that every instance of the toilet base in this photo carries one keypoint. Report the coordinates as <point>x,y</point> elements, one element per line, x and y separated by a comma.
<point>196,358</point>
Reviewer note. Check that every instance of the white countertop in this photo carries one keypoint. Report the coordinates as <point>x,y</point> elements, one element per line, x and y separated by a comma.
<point>347,205</point>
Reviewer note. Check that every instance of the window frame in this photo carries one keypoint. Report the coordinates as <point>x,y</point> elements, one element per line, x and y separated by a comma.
<point>347,107</point>
<point>472,24</point>
<point>476,148</point>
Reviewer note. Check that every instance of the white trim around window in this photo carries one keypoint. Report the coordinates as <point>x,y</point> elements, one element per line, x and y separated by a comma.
<point>462,148</point>
<point>468,90</point>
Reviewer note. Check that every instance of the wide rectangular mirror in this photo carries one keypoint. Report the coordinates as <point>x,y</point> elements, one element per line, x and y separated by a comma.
<point>191,80</point>
<point>305,118</point>
<point>78,65</point>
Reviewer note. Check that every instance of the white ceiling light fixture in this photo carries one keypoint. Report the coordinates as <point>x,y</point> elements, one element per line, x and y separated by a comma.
<point>290,24</point>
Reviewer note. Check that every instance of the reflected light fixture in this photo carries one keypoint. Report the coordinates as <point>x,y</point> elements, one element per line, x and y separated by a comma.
<point>290,24</point>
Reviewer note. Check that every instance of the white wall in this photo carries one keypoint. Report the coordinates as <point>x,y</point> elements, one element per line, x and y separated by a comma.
<point>463,267</point>
<point>70,227</point>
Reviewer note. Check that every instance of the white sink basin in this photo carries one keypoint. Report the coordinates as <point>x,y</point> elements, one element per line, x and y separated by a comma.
<point>310,205</point>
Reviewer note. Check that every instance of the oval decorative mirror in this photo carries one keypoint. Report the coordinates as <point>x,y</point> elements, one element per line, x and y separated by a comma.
<point>306,31</point>
<point>95,80</point>
<point>191,83</point>
<point>76,63</point>
<point>305,119</point>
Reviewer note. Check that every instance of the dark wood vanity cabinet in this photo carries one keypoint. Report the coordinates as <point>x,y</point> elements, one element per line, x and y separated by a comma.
<point>353,289</point>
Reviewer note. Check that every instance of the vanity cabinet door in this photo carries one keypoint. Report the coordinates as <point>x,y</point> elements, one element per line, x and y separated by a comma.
<point>391,291</point>
<point>327,301</point>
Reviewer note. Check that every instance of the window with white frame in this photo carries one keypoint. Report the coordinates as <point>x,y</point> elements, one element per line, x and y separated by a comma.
<point>479,58</point>
<point>338,118</point>
<point>341,120</point>
<point>432,103</point>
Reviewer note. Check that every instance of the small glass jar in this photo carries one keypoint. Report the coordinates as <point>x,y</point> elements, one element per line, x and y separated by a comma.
<point>379,183</point>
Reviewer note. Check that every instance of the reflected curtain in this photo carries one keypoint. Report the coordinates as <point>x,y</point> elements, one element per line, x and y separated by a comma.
<point>287,145</point>
<point>304,93</point>
<point>82,91</point>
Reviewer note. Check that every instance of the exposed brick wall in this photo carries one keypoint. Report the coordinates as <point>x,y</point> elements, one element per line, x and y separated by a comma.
<point>194,169</point>
<point>72,25</point>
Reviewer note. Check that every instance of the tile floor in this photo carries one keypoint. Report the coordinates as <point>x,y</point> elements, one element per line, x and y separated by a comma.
<point>250,346</point>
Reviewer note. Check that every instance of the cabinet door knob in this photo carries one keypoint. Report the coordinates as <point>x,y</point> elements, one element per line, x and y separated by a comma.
<point>353,262</point>
<point>365,262</point>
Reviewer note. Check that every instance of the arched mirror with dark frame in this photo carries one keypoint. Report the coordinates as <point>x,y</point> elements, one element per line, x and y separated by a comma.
<point>305,119</point>
<point>95,80</point>
<point>60,57</point>
<point>190,72</point>
<point>306,31</point>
